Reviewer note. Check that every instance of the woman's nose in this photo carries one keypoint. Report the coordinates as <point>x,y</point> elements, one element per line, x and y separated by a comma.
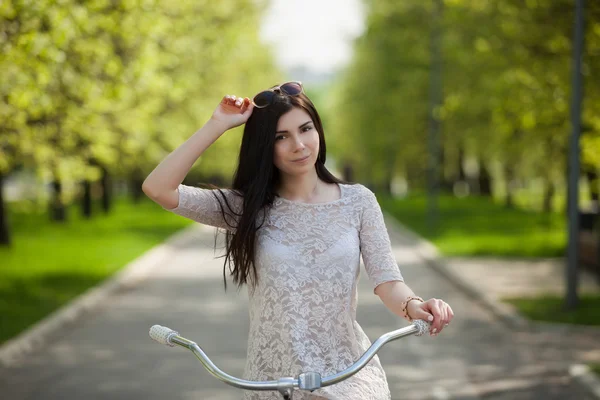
<point>298,144</point>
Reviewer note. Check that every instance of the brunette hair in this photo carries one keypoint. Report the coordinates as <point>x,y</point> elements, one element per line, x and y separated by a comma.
<point>256,179</point>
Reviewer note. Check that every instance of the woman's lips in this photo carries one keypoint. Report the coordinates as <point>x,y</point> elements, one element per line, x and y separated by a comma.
<point>301,160</point>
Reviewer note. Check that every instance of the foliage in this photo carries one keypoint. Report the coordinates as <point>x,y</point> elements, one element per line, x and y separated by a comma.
<point>507,90</point>
<point>119,85</point>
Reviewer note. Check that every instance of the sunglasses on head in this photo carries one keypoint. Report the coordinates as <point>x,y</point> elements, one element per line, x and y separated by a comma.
<point>265,98</point>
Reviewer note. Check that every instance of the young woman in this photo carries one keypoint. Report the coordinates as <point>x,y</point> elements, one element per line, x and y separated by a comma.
<point>295,234</point>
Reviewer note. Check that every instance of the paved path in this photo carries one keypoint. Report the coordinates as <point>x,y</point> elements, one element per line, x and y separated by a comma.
<point>108,355</point>
<point>518,277</point>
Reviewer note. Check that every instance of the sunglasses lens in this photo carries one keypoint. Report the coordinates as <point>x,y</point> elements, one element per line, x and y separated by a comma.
<point>263,99</point>
<point>291,88</point>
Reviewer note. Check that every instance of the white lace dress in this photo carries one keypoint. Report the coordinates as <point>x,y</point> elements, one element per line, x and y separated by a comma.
<point>303,311</point>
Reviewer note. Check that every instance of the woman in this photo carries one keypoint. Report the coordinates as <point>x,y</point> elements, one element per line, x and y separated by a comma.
<point>294,236</point>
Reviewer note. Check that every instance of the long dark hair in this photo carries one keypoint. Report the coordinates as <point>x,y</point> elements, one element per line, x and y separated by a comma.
<point>256,180</point>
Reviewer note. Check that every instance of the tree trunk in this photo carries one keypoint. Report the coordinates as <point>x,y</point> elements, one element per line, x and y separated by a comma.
<point>409,175</point>
<point>348,172</point>
<point>106,191</point>
<point>445,184</point>
<point>484,180</point>
<point>386,185</point>
<point>86,200</point>
<point>4,231</point>
<point>389,170</point>
<point>462,176</point>
<point>509,177</point>
<point>135,183</point>
<point>435,170</point>
<point>461,185</point>
<point>136,189</point>
<point>594,182</point>
<point>549,191</point>
<point>58,212</point>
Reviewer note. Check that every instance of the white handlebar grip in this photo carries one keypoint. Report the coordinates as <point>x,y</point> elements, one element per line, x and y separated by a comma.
<point>422,326</point>
<point>162,334</point>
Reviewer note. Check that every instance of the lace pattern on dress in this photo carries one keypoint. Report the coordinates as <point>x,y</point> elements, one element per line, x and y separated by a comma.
<point>303,310</point>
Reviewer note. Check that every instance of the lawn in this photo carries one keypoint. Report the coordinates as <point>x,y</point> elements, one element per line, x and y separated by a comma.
<point>474,226</point>
<point>552,309</point>
<point>49,263</point>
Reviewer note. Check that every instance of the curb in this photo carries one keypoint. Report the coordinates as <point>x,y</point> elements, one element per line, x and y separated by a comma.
<point>581,374</point>
<point>429,253</point>
<point>586,379</point>
<point>131,274</point>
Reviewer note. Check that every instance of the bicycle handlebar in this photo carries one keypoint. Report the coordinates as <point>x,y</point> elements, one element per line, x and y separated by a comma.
<point>285,385</point>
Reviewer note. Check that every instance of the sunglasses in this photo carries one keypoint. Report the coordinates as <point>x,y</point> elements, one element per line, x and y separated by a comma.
<point>265,98</point>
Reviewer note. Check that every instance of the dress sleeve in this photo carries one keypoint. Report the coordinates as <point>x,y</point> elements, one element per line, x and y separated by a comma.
<point>204,206</point>
<point>375,246</point>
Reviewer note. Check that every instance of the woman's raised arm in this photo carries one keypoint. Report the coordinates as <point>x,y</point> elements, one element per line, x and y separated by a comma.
<point>161,185</point>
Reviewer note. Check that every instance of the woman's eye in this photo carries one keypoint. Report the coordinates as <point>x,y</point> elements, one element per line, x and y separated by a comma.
<point>306,128</point>
<point>279,137</point>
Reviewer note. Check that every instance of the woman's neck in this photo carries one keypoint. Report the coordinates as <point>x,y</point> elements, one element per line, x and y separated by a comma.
<point>305,188</point>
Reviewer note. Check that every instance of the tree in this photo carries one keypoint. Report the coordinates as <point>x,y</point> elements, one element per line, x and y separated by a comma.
<point>106,89</point>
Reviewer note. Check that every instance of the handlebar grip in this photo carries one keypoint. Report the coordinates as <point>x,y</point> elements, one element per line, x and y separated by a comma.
<point>162,334</point>
<point>422,326</point>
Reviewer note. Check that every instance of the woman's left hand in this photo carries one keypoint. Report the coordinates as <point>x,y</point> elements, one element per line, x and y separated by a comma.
<point>436,311</point>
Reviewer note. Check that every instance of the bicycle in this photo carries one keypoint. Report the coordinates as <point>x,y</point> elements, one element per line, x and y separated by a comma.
<point>310,381</point>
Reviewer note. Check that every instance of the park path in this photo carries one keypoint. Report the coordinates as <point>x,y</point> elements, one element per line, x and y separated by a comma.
<point>107,354</point>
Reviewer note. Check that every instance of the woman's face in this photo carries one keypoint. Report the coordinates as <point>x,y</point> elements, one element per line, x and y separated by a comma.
<point>296,143</point>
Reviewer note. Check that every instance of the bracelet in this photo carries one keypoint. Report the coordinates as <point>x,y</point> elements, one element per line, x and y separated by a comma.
<point>405,306</point>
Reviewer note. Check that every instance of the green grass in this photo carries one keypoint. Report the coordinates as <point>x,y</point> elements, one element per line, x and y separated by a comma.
<point>49,263</point>
<point>552,309</point>
<point>595,369</point>
<point>475,226</point>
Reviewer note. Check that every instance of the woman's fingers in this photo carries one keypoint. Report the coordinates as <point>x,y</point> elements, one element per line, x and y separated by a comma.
<point>435,310</point>
<point>442,315</point>
<point>233,111</point>
<point>450,314</point>
<point>239,102</point>
<point>422,313</point>
<point>227,100</point>
<point>247,107</point>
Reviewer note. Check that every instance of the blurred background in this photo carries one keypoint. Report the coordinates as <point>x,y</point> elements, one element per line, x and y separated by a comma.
<point>457,113</point>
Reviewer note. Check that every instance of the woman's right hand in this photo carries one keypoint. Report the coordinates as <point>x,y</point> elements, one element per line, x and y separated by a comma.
<point>233,111</point>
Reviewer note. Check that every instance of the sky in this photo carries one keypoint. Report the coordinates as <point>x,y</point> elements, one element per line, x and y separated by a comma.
<point>314,34</point>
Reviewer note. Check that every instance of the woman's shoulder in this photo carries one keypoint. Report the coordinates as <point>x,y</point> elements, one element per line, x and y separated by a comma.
<point>194,190</point>
<point>195,194</point>
<point>357,190</point>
